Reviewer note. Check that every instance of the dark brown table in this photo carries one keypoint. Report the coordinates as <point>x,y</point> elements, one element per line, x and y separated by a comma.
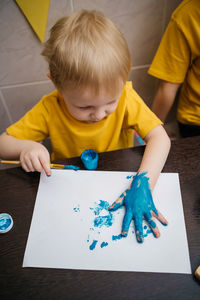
<point>17,197</point>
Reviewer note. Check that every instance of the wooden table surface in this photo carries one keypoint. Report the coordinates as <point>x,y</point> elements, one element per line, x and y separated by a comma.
<point>17,197</point>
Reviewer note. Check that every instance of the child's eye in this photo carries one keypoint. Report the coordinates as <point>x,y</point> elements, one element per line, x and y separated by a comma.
<point>112,103</point>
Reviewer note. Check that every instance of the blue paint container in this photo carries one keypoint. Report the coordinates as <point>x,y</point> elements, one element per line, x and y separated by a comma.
<point>6,223</point>
<point>90,158</point>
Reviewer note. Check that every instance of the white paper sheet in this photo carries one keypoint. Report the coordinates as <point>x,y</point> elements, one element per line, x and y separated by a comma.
<point>62,229</point>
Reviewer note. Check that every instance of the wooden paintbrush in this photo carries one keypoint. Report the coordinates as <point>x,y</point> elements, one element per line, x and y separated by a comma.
<point>53,166</point>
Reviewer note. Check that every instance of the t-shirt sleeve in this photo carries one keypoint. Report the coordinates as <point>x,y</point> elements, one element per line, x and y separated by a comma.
<point>172,58</point>
<point>33,126</point>
<point>138,115</point>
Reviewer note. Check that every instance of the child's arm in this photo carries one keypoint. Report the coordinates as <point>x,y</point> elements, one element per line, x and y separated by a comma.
<point>137,199</point>
<point>32,155</point>
<point>164,98</point>
<point>155,155</point>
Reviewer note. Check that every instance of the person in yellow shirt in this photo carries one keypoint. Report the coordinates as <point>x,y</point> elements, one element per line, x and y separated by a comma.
<point>93,107</point>
<point>177,65</point>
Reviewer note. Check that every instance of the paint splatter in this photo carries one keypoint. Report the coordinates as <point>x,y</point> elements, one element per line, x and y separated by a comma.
<point>77,209</point>
<point>149,231</point>
<point>99,206</point>
<point>93,245</point>
<point>103,221</point>
<point>104,244</point>
<point>117,237</point>
<point>104,216</point>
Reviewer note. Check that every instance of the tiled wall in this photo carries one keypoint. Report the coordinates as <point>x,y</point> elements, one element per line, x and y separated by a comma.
<point>23,71</point>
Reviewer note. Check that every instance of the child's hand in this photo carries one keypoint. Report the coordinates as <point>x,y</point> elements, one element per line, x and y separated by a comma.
<point>138,203</point>
<point>35,156</point>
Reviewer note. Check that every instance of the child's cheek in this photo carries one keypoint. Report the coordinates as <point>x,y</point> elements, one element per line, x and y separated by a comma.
<point>81,115</point>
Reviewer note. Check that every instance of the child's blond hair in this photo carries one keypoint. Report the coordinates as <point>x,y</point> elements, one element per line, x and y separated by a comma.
<point>87,49</point>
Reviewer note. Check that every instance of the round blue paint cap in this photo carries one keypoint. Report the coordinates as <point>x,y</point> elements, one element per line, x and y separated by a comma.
<point>6,222</point>
<point>90,158</point>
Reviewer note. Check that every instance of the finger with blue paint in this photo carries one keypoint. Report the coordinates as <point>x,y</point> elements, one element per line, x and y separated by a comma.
<point>138,204</point>
<point>118,203</point>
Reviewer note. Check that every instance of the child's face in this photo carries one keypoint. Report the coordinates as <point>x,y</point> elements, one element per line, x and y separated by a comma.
<point>83,105</point>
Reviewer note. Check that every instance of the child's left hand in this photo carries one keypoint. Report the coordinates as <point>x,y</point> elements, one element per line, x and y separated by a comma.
<point>139,203</point>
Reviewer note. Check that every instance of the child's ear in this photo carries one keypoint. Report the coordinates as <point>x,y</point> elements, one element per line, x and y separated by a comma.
<point>49,76</point>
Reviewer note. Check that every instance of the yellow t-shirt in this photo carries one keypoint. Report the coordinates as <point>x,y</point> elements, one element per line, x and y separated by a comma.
<point>178,59</point>
<point>70,137</point>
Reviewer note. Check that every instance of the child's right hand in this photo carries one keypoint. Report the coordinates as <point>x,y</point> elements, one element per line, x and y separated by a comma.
<point>35,157</point>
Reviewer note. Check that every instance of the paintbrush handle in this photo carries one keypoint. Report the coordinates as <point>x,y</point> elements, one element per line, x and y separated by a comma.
<point>12,162</point>
<point>57,166</point>
<point>54,166</point>
<point>17,162</point>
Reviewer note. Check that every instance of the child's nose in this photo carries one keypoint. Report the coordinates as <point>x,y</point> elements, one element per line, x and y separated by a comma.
<point>99,114</point>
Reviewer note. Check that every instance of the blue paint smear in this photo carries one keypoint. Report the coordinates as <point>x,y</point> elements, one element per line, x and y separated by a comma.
<point>103,221</point>
<point>71,167</point>
<point>129,177</point>
<point>117,237</point>
<point>104,244</point>
<point>100,206</point>
<point>93,245</point>
<point>100,221</point>
<point>77,209</point>
<point>149,231</point>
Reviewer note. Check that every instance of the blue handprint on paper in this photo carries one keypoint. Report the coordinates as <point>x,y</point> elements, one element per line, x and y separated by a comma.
<point>139,204</point>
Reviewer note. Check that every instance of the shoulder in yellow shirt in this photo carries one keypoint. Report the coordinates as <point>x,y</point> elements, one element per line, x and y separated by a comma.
<point>178,59</point>
<point>70,137</point>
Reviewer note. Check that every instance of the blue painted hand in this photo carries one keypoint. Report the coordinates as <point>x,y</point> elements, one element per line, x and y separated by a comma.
<point>139,204</point>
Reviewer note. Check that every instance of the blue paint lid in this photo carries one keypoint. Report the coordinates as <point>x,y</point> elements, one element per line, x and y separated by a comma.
<point>90,158</point>
<point>6,222</point>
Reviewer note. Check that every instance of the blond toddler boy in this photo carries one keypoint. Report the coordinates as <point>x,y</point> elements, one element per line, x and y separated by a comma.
<point>93,105</point>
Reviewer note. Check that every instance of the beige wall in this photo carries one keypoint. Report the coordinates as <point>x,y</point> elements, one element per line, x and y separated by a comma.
<point>23,71</point>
